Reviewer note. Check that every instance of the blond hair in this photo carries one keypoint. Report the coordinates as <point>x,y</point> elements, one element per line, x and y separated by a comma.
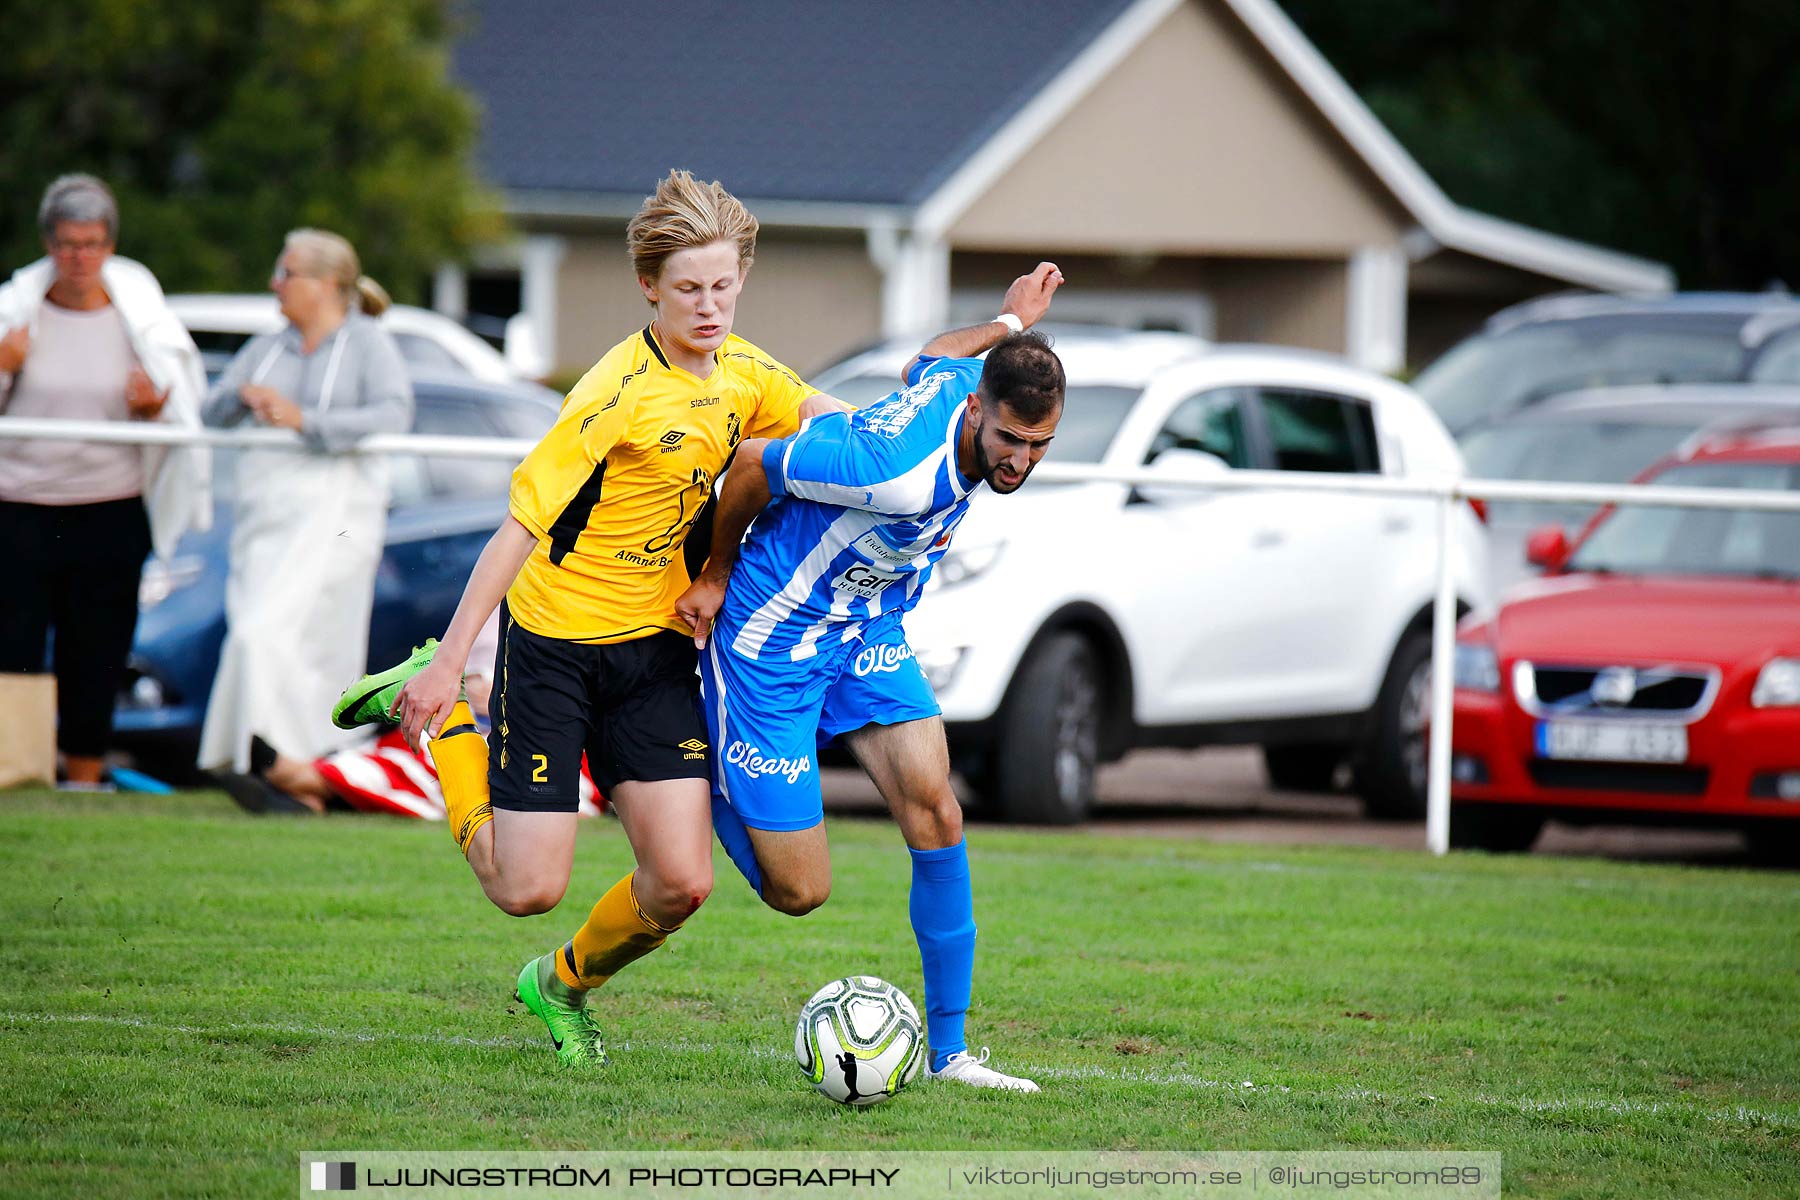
<point>334,260</point>
<point>684,214</point>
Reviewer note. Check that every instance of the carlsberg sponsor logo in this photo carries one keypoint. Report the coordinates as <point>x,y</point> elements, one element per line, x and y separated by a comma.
<point>880,660</point>
<point>752,761</point>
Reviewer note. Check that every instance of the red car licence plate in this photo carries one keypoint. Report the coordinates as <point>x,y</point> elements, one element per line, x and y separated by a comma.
<point>1613,741</point>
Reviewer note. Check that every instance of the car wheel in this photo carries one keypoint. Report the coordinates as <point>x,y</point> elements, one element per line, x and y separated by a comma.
<point>1308,767</point>
<point>1496,828</point>
<point>1049,737</point>
<point>1391,775</point>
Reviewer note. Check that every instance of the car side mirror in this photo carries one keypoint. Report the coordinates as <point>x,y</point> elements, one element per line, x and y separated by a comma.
<point>1547,548</point>
<point>1176,465</point>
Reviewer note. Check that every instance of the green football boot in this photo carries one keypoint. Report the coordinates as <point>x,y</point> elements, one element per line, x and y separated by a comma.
<point>371,698</point>
<point>578,1040</point>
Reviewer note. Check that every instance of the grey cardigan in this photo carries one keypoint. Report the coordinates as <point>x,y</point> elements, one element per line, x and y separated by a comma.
<point>352,385</point>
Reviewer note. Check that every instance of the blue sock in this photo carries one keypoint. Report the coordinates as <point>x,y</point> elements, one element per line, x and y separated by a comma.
<point>942,907</point>
<point>736,840</point>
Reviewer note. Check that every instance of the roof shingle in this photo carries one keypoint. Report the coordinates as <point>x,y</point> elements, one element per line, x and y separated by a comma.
<point>809,100</point>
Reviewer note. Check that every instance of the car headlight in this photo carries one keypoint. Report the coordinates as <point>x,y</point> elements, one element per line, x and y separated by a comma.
<point>1477,669</point>
<point>940,665</point>
<point>1777,684</point>
<point>960,564</point>
<point>161,580</point>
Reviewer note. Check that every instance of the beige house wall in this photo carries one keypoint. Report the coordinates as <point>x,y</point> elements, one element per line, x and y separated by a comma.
<point>1285,302</point>
<point>1292,302</point>
<point>1194,144</point>
<point>597,301</point>
<point>809,298</point>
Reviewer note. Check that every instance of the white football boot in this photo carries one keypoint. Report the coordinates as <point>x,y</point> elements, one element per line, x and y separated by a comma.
<point>971,1069</point>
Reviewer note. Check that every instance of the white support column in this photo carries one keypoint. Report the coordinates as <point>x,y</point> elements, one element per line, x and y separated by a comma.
<point>450,291</point>
<point>540,268</point>
<point>915,292</point>
<point>1375,325</point>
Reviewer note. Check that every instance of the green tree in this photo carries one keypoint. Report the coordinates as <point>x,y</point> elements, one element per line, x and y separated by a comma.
<point>1659,127</point>
<point>221,124</point>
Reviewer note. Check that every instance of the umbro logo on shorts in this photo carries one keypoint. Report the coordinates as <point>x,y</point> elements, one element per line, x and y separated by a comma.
<point>695,749</point>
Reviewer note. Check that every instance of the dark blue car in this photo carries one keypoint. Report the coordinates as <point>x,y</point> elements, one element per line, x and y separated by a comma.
<point>442,513</point>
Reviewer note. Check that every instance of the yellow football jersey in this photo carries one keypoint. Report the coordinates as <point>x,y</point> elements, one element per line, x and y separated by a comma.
<point>616,484</point>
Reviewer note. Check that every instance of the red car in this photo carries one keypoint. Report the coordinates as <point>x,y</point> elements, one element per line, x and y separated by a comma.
<point>1652,675</point>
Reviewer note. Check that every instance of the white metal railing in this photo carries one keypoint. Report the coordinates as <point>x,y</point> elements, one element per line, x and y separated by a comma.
<point>150,433</point>
<point>1448,491</point>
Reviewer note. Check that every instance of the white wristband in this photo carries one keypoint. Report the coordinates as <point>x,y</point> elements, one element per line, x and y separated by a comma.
<point>1011,321</point>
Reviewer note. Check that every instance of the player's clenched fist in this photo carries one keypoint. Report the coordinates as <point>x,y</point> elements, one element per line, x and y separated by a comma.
<point>1029,296</point>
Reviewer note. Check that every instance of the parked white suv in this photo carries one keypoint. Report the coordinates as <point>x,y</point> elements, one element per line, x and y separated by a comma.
<point>222,323</point>
<point>1072,622</point>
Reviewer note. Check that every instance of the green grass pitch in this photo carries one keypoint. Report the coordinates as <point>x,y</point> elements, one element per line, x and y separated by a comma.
<point>190,997</point>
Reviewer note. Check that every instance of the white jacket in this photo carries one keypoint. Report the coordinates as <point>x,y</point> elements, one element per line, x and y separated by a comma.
<point>177,479</point>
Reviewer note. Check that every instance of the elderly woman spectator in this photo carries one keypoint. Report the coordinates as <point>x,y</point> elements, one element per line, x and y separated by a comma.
<point>86,335</point>
<point>309,523</point>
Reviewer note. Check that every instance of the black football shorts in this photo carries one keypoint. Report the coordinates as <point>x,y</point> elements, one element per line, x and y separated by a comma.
<point>631,706</point>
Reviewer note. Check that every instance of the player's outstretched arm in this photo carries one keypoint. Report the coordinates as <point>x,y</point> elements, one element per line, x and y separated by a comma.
<point>743,494</point>
<point>819,405</point>
<point>1028,299</point>
<point>428,696</point>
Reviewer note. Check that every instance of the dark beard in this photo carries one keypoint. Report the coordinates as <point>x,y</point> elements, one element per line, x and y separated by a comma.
<point>987,469</point>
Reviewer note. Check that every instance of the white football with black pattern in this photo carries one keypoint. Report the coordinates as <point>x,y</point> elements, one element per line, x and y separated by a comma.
<point>859,1040</point>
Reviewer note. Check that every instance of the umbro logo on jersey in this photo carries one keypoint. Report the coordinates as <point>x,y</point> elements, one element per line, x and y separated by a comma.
<point>672,440</point>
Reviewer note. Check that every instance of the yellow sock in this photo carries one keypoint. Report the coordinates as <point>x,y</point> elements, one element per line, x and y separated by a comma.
<point>616,932</point>
<point>461,755</point>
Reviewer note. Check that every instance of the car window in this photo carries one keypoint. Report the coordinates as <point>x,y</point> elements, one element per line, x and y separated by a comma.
<point>214,341</point>
<point>1091,416</point>
<point>1212,421</point>
<point>1493,374</point>
<point>462,478</point>
<point>1779,359</point>
<point>414,478</point>
<point>421,351</point>
<point>519,419</point>
<point>1605,450</point>
<point>1317,431</point>
<point>1700,541</point>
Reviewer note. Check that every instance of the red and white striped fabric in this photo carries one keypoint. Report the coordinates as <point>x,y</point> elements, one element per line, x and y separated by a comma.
<point>387,777</point>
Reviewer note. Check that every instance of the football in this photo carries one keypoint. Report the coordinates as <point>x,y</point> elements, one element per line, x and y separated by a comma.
<point>859,1040</point>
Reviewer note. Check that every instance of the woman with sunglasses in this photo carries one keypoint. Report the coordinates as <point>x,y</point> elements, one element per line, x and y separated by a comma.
<point>309,525</point>
<point>86,335</point>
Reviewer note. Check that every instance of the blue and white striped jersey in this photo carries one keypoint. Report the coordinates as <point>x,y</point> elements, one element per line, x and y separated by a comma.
<point>864,506</point>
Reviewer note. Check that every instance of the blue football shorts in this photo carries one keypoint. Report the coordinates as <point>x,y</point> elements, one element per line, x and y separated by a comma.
<point>768,717</point>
